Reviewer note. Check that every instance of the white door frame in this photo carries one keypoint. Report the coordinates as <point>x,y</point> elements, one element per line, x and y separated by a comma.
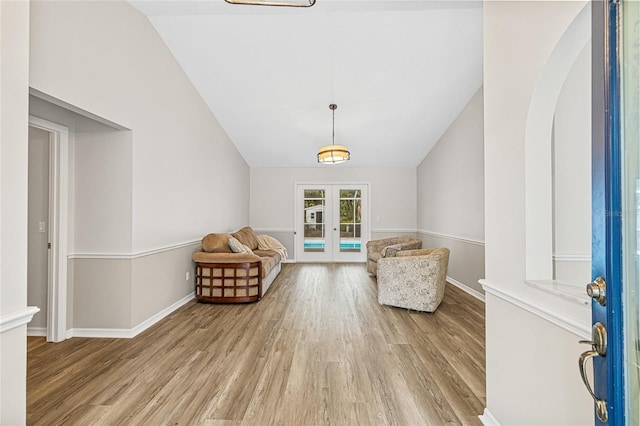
<point>300,255</point>
<point>58,227</point>
<point>331,242</point>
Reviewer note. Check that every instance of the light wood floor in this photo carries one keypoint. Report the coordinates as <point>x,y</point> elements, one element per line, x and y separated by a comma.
<point>317,350</point>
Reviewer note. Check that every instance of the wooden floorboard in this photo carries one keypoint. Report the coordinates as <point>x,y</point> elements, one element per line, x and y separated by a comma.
<point>318,349</point>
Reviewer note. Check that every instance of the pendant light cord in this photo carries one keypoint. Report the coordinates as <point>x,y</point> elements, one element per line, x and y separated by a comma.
<point>333,108</point>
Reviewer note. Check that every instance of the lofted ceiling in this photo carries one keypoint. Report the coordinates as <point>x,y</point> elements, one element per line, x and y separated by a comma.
<point>400,72</point>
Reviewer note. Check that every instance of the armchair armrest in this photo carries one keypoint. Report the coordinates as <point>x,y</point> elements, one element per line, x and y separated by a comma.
<point>390,251</point>
<point>204,257</point>
<point>376,246</point>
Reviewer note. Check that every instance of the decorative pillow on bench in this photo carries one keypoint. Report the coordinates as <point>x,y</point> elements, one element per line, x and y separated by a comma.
<point>237,247</point>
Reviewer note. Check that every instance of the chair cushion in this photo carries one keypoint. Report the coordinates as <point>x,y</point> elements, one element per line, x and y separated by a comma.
<point>247,237</point>
<point>216,243</point>
<point>268,263</point>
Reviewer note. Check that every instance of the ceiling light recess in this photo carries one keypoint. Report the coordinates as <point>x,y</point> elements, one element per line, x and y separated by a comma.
<point>288,3</point>
<point>333,154</point>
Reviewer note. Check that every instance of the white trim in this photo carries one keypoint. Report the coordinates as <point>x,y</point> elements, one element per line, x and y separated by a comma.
<point>330,254</point>
<point>580,330</point>
<point>538,164</point>
<point>488,419</point>
<point>101,333</point>
<point>37,331</point>
<point>123,333</point>
<point>274,230</point>
<point>62,104</point>
<point>163,249</point>
<point>129,256</point>
<point>393,231</point>
<point>452,237</point>
<point>572,292</point>
<point>572,257</point>
<point>466,288</point>
<point>18,318</point>
<point>58,226</point>
<point>121,256</point>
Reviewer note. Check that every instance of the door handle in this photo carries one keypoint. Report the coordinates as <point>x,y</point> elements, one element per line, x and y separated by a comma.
<point>597,290</point>
<point>598,348</point>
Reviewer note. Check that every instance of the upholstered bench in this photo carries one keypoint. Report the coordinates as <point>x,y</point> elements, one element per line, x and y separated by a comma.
<point>225,276</point>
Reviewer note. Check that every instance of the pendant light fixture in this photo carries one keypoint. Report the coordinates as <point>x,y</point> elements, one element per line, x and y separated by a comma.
<point>288,3</point>
<point>333,154</point>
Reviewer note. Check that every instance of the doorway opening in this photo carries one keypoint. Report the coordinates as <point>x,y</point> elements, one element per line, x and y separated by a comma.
<point>331,222</point>
<point>48,226</point>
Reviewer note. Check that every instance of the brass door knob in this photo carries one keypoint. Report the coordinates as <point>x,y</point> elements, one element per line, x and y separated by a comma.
<point>597,290</point>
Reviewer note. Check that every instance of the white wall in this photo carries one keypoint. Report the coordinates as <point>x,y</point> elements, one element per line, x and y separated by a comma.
<point>102,191</point>
<point>14,86</point>
<point>519,38</point>
<point>392,198</point>
<point>143,194</point>
<point>184,166</point>
<point>572,175</point>
<point>451,195</point>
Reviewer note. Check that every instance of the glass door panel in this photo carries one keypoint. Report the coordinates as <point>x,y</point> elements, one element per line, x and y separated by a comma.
<point>314,236</point>
<point>350,239</point>
<point>630,139</point>
<point>314,220</point>
<point>331,223</point>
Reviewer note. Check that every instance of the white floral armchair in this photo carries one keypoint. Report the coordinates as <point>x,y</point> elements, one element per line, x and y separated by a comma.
<point>413,279</point>
<point>388,247</point>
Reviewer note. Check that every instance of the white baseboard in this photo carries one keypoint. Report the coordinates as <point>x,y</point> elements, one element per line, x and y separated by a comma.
<point>101,333</point>
<point>36,331</point>
<point>488,419</point>
<point>466,288</point>
<point>124,333</point>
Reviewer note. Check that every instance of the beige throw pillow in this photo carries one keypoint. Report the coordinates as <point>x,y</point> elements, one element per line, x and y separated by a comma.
<point>237,247</point>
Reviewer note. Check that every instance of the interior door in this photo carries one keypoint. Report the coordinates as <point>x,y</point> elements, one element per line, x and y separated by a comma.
<point>331,222</point>
<point>615,344</point>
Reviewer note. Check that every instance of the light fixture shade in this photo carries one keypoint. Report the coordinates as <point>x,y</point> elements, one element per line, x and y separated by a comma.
<point>286,3</point>
<point>333,154</point>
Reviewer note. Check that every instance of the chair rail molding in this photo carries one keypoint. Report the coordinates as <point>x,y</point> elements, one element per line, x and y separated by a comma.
<point>265,230</point>
<point>17,318</point>
<point>452,237</point>
<point>556,318</point>
<point>389,231</point>
<point>129,256</point>
<point>572,257</point>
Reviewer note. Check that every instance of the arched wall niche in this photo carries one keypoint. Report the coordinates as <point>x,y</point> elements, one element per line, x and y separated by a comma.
<point>557,167</point>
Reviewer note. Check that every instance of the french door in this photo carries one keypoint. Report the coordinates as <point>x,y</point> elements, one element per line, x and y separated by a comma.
<point>616,214</point>
<point>331,222</point>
